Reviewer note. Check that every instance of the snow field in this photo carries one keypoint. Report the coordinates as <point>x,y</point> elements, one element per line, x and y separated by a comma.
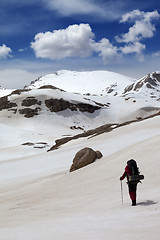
<point>40,199</point>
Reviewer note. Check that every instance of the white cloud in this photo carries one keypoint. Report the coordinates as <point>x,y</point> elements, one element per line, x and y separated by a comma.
<point>135,47</point>
<point>106,50</point>
<point>74,41</point>
<point>73,6</point>
<point>106,10</point>
<point>92,9</point>
<point>139,15</point>
<point>138,31</point>
<point>4,51</point>
<point>131,16</point>
<point>142,28</point>
<point>78,40</point>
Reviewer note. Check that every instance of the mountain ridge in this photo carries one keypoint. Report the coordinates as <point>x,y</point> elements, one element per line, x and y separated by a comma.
<point>112,101</point>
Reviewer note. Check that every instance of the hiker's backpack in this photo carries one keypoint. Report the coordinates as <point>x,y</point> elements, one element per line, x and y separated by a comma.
<point>134,176</point>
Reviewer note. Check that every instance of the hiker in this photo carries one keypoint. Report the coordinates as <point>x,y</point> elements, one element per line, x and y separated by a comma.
<point>131,169</point>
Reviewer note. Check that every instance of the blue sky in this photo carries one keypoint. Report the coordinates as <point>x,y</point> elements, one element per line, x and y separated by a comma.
<point>42,36</point>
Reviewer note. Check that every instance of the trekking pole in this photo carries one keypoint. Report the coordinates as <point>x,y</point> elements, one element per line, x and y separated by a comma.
<point>121,192</point>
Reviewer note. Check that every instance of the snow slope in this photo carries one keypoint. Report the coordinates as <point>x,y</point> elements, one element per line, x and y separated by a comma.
<point>40,199</point>
<point>93,82</point>
<point>112,98</point>
<point>5,92</point>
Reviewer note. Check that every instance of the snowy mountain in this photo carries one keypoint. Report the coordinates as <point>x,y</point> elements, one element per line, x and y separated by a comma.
<point>148,86</point>
<point>39,198</point>
<point>74,102</point>
<point>94,82</point>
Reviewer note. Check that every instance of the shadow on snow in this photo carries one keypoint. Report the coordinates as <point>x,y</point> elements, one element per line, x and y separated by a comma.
<point>147,203</point>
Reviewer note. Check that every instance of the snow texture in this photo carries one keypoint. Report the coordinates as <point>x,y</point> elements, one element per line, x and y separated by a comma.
<point>40,199</point>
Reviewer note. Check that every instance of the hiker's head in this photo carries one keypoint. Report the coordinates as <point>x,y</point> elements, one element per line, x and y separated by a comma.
<point>131,163</point>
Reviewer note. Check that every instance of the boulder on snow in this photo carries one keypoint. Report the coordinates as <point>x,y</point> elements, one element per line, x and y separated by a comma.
<point>84,157</point>
<point>99,154</point>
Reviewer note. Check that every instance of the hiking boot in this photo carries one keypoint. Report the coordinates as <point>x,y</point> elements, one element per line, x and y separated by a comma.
<point>133,202</point>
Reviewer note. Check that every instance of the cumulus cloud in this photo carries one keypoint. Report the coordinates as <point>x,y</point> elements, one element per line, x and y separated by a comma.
<point>142,27</point>
<point>136,47</point>
<point>74,41</point>
<point>4,51</point>
<point>138,31</point>
<point>105,49</point>
<point>139,15</point>
<point>79,40</point>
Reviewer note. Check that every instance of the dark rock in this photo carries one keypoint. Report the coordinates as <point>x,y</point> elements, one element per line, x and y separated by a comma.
<point>19,91</point>
<point>157,76</point>
<point>29,112</point>
<point>74,127</point>
<point>138,85</point>
<point>149,85</point>
<point>51,87</point>
<point>83,107</point>
<point>82,158</point>
<point>5,104</point>
<point>57,105</point>
<point>128,89</point>
<point>99,154</point>
<point>150,81</point>
<point>90,133</point>
<point>29,101</point>
<point>28,144</point>
<point>110,90</point>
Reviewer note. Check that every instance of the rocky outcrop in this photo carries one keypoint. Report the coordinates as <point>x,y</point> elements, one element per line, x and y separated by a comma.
<point>89,133</point>
<point>51,87</point>
<point>31,105</point>
<point>57,105</point>
<point>6,104</point>
<point>84,157</point>
<point>29,112</point>
<point>151,81</point>
<point>39,145</point>
<point>19,91</point>
<point>30,101</point>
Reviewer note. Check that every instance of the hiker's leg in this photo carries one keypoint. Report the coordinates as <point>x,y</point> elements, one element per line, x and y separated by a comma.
<point>132,193</point>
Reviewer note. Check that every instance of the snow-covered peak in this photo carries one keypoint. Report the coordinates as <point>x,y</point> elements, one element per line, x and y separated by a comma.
<point>93,82</point>
<point>70,101</point>
<point>148,86</point>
